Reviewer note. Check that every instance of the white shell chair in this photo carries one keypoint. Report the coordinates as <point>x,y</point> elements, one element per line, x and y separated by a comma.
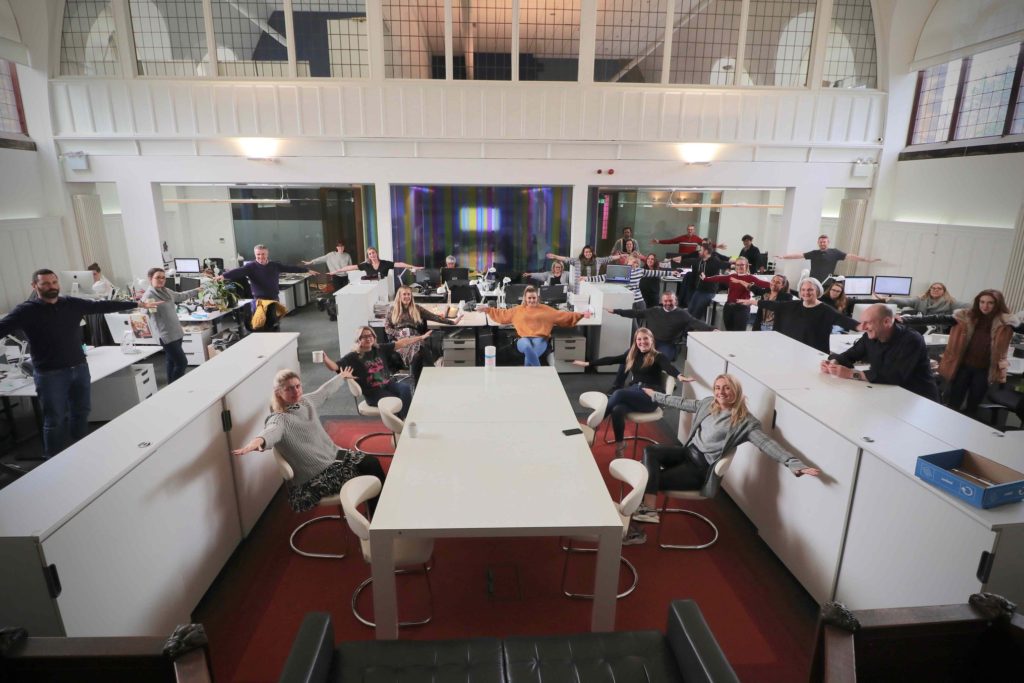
<point>642,418</point>
<point>408,552</point>
<point>287,473</point>
<point>721,467</point>
<point>634,474</point>
<point>389,408</point>
<point>366,410</point>
<point>596,402</point>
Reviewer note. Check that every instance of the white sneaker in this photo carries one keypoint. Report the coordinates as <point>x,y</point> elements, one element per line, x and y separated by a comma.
<point>646,516</point>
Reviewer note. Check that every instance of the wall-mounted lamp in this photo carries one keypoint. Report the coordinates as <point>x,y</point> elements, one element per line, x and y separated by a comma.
<point>698,152</point>
<point>259,149</point>
<point>862,168</point>
<point>76,161</point>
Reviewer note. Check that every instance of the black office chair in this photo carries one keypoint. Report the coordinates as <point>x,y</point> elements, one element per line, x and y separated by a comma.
<point>514,294</point>
<point>1001,400</point>
<point>464,292</point>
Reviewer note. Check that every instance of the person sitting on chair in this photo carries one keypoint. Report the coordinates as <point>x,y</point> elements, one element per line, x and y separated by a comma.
<point>640,367</point>
<point>407,319</point>
<point>533,322</point>
<point>667,322</point>
<point>777,290</point>
<point>721,423</point>
<point>586,263</point>
<point>294,429</point>
<point>556,276</point>
<point>374,267</point>
<point>808,320</point>
<point>370,368</point>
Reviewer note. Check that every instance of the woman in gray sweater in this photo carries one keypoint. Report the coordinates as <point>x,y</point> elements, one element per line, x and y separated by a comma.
<point>720,424</point>
<point>165,319</point>
<point>295,430</point>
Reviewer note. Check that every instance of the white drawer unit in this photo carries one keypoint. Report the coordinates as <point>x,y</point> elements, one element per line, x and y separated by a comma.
<point>194,345</point>
<point>567,348</point>
<point>459,349</point>
<point>121,391</point>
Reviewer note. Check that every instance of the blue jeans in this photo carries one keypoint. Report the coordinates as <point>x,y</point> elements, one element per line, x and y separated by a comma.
<point>667,349</point>
<point>175,359</point>
<point>533,348</point>
<point>629,400</point>
<point>699,302</point>
<point>65,396</point>
<point>399,390</point>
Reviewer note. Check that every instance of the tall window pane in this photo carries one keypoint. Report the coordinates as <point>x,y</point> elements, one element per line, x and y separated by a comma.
<point>549,40</point>
<point>170,37</point>
<point>630,41</point>
<point>850,59</point>
<point>413,38</point>
<point>482,40</point>
<point>704,40</point>
<point>331,37</point>
<point>251,39</point>
<point>88,43</point>
<point>935,103</point>
<point>509,228</point>
<point>11,117</point>
<point>987,93</point>
<point>1018,118</point>
<point>779,41</point>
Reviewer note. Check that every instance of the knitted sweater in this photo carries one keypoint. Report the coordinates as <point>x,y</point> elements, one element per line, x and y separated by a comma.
<point>165,315</point>
<point>533,321</point>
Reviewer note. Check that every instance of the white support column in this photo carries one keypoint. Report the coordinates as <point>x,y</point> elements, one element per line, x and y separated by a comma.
<point>385,244</point>
<point>1013,285</point>
<point>819,43</point>
<point>578,221</point>
<point>801,225</point>
<point>375,38</point>
<point>141,212</point>
<point>588,40</point>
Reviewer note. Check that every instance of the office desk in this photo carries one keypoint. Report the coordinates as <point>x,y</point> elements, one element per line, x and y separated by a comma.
<point>490,459</point>
<point>469,318</point>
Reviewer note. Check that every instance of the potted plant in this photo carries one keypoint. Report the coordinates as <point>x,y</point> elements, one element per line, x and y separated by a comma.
<point>219,294</point>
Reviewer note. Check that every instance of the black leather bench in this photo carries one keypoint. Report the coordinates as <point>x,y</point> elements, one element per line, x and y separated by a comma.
<point>687,653</point>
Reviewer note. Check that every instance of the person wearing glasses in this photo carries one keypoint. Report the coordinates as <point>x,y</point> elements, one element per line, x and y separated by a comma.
<point>371,369</point>
<point>294,429</point>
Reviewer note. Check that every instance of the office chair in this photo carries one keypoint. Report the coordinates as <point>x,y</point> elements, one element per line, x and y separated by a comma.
<point>596,401</point>
<point>634,474</point>
<point>366,410</point>
<point>721,467</point>
<point>287,473</point>
<point>407,551</point>
<point>643,418</point>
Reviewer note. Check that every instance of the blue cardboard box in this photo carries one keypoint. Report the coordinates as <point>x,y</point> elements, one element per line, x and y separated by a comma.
<point>972,478</point>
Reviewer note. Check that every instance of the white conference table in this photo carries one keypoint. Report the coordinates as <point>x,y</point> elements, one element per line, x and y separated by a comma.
<point>490,460</point>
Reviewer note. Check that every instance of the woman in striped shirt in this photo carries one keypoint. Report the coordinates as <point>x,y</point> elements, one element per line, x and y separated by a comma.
<point>294,429</point>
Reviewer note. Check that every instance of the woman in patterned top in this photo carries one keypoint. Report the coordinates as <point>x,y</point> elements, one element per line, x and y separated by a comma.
<point>295,430</point>
<point>368,361</point>
<point>407,319</point>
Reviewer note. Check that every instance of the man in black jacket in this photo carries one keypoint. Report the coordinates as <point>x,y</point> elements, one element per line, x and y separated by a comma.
<point>63,384</point>
<point>703,292</point>
<point>666,322</point>
<point>896,353</point>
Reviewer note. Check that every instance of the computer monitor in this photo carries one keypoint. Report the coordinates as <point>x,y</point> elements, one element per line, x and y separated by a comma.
<point>76,282</point>
<point>859,285</point>
<point>216,262</point>
<point>187,265</point>
<point>893,285</point>
<point>514,294</point>
<point>554,294</point>
<point>455,274</point>
<point>428,277</point>
<point>617,274</point>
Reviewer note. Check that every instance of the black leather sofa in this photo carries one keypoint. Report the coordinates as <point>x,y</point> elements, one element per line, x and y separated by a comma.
<point>688,653</point>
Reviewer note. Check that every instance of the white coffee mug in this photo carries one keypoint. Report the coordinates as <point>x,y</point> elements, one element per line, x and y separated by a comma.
<point>318,356</point>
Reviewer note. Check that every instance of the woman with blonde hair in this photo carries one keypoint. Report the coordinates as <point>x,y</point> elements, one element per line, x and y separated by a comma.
<point>640,368</point>
<point>721,422</point>
<point>935,301</point>
<point>407,319</point>
<point>294,429</point>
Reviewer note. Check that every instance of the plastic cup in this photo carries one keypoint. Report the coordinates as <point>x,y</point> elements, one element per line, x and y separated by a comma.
<point>318,356</point>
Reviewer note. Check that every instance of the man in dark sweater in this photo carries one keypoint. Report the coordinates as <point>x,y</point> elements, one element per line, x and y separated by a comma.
<point>263,275</point>
<point>666,322</point>
<point>824,259</point>
<point>52,324</point>
<point>897,355</point>
<point>708,265</point>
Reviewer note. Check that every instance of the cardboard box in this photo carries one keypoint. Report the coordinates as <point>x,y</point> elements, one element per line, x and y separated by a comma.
<point>971,478</point>
<point>211,351</point>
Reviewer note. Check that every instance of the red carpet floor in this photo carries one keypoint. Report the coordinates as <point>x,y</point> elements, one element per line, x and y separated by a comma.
<point>760,615</point>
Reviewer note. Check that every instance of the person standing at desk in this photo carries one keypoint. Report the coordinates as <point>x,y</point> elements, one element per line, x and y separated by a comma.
<point>667,322</point>
<point>721,423</point>
<point>709,265</point>
<point>587,264</point>
<point>408,319</point>
<point>336,260</point>
<point>533,322</point>
<point>264,280</point>
<point>689,244</point>
<point>165,318</point>
<point>374,267</point>
<point>808,320</point>
<point>640,367</point>
<point>751,253</point>
<point>368,363</point>
<point>896,353</point>
<point>736,310</point>
<point>824,259</point>
<point>620,244</point>
<point>294,429</point>
<point>636,274</point>
<point>63,384</point>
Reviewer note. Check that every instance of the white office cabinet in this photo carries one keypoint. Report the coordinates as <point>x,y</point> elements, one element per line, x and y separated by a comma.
<point>355,309</point>
<point>568,346</point>
<point>803,519</point>
<point>194,345</point>
<point>616,332</point>
<point>459,349</point>
<point>120,392</point>
<point>750,468</point>
<point>895,565</point>
<point>123,532</point>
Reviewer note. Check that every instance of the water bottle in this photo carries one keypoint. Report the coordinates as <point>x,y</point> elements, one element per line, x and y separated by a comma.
<point>490,354</point>
<point>411,430</point>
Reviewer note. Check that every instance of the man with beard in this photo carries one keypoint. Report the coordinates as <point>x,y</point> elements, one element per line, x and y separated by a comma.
<point>52,324</point>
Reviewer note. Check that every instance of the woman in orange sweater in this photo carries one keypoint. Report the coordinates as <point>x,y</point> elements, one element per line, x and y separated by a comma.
<point>533,322</point>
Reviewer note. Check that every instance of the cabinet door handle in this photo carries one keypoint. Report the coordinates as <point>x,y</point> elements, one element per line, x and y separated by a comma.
<point>985,565</point>
<point>52,580</point>
<point>775,417</point>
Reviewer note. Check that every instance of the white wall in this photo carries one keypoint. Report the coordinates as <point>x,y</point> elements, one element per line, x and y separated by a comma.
<point>26,245</point>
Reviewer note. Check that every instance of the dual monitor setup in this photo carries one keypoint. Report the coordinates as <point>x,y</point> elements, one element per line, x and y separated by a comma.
<point>866,285</point>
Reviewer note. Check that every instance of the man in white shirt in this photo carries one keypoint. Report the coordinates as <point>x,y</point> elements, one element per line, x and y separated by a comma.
<point>335,260</point>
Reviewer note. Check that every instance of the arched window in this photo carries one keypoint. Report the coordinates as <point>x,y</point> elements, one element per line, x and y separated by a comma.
<point>88,46</point>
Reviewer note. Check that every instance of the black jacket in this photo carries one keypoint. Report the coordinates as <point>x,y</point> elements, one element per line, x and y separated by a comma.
<point>903,361</point>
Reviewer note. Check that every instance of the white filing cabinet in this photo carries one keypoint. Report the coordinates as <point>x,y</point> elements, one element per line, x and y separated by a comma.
<point>616,332</point>
<point>459,349</point>
<point>121,391</point>
<point>569,345</point>
<point>194,345</point>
